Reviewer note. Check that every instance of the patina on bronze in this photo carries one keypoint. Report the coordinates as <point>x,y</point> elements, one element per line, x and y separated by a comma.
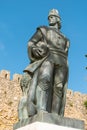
<point>44,82</point>
<point>45,79</point>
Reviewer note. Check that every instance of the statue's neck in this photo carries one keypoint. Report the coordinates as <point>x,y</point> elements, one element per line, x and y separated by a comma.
<point>55,27</point>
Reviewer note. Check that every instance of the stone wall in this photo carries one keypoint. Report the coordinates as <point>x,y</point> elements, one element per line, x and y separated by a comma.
<point>75,107</point>
<point>10,94</point>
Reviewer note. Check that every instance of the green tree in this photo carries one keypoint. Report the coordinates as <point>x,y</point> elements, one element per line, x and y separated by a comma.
<point>85,104</point>
<point>86,57</point>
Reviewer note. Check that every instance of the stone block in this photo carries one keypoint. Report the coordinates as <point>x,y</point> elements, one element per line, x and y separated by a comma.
<point>45,126</point>
<point>52,119</point>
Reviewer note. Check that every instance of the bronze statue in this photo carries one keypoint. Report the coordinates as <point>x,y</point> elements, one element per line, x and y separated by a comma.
<point>45,79</point>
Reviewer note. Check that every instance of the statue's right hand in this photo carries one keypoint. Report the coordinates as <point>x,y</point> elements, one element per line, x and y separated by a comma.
<point>41,51</point>
<point>37,52</point>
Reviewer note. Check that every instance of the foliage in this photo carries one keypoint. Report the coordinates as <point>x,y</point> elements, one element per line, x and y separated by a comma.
<point>85,104</point>
<point>71,104</point>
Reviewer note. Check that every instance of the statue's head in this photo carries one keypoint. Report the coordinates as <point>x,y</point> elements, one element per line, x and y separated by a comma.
<point>54,18</point>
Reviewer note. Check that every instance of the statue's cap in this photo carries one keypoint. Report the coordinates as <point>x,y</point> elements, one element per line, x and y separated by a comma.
<point>53,12</point>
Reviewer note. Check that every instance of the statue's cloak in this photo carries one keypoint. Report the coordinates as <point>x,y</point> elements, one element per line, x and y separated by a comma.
<point>33,67</point>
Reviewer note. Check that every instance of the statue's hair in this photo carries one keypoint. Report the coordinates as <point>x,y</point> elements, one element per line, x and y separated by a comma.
<point>59,23</point>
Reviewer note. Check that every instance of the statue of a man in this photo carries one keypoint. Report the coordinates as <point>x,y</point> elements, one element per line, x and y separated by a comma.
<point>48,51</point>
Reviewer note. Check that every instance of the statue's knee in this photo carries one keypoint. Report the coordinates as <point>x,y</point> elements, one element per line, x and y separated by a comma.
<point>59,89</point>
<point>44,82</point>
<point>47,63</point>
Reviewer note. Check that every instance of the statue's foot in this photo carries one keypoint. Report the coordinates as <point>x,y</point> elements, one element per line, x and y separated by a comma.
<point>42,111</point>
<point>31,109</point>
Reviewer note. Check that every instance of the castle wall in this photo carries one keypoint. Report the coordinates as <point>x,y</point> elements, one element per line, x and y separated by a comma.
<point>10,93</point>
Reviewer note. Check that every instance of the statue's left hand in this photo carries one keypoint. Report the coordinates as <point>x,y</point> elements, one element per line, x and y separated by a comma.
<point>25,81</point>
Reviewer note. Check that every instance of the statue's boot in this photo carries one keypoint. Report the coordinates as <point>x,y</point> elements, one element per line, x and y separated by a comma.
<point>22,108</point>
<point>31,109</point>
<point>42,99</point>
<point>56,104</point>
<point>57,100</point>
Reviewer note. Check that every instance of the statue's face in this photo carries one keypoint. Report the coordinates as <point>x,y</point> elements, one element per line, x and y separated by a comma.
<point>52,20</point>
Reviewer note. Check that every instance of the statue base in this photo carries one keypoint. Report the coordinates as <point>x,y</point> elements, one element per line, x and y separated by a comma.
<point>51,118</point>
<point>45,126</point>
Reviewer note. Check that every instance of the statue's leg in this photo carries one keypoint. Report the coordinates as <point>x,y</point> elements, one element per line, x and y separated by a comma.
<point>44,87</point>
<point>59,82</point>
<point>31,95</point>
<point>22,108</point>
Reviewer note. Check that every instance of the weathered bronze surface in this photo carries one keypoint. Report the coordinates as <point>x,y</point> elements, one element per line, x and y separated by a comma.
<point>44,82</point>
<point>45,79</point>
<point>51,118</point>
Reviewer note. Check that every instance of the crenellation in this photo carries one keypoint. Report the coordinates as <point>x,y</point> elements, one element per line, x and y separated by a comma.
<point>70,92</point>
<point>17,77</point>
<point>77,94</point>
<point>5,74</point>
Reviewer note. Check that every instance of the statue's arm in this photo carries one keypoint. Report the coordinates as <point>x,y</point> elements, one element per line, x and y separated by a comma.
<point>67,46</point>
<point>32,45</point>
<point>25,81</point>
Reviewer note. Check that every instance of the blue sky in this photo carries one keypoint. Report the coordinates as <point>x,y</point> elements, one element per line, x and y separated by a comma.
<point>19,20</point>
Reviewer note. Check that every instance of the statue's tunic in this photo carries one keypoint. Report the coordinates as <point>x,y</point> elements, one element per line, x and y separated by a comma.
<point>56,43</point>
<point>53,65</point>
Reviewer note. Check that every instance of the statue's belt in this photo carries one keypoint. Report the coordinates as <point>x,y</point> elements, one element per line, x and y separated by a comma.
<point>58,52</point>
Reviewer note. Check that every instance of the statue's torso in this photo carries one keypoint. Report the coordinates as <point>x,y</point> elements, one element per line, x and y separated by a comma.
<point>56,43</point>
<point>55,40</point>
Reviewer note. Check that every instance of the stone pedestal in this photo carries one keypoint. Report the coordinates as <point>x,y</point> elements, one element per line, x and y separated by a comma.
<point>45,126</point>
<point>51,118</point>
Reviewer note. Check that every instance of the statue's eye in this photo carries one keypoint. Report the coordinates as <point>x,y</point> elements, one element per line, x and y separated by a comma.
<point>51,17</point>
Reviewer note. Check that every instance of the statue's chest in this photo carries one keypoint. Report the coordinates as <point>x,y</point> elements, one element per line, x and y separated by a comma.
<point>55,38</point>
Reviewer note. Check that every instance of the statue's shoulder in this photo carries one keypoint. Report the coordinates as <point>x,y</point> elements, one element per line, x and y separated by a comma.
<point>43,29</point>
<point>63,35</point>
